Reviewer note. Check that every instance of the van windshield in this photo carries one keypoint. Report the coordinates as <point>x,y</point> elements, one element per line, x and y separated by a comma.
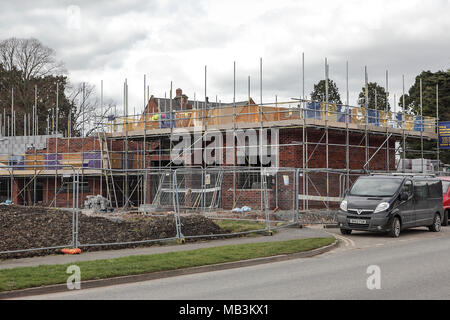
<point>375,187</point>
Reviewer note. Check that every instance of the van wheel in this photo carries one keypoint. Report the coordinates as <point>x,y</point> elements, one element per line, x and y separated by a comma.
<point>396,228</point>
<point>346,232</point>
<point>436,226</point>
<point>445,221</point>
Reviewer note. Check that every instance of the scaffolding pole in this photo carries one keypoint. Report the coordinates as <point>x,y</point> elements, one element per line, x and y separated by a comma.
<point>327,70</point>
<point>438,128</point>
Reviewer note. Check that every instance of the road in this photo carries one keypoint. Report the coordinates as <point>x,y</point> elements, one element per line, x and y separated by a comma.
<point>415,266</point>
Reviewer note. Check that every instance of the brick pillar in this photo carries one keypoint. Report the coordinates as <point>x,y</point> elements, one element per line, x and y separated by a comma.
<point>16,187</point>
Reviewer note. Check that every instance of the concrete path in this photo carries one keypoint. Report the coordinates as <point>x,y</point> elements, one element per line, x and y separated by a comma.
<point>280,235</point>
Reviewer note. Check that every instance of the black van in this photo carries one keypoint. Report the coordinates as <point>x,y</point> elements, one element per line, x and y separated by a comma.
<point>391,203</point>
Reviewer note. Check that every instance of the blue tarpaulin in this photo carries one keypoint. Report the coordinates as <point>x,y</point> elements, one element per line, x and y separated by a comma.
<point>418,123</point>
<point>313,110</point>
<point>341,115</point>
<point>372,117</point>
<point>399,120</point>
<point>166,120</point>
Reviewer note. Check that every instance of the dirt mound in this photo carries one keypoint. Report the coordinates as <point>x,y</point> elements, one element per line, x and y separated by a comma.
<point>28,227</point>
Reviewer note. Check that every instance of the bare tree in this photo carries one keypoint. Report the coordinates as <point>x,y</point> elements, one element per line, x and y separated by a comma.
<point>33,62</point>
<point>88,115</point>
<point>31,57</point>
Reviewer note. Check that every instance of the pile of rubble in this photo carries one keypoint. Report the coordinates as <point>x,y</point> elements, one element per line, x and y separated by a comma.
<point>98,203</point>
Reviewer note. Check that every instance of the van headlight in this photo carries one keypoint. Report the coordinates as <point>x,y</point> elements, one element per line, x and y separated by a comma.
<point>344,206</point>
<point>382,207</point>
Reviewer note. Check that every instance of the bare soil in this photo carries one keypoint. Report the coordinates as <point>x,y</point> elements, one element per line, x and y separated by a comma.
<point>35,227</point>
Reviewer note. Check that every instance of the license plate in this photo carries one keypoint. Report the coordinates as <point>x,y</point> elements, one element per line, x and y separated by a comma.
<point>358,221</point>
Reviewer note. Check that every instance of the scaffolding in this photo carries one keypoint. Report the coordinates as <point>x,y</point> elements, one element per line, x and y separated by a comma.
<point>115,162</point>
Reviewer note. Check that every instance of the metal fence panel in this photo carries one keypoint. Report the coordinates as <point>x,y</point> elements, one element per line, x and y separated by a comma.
<point>178,204</point>
<point>33,228</point>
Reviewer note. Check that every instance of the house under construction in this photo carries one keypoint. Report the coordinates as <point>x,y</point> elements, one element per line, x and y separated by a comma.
<point>322,148</point>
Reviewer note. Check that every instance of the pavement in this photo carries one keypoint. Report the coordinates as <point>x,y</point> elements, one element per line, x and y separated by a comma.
<point>414,266</point>
<point>281,235</point>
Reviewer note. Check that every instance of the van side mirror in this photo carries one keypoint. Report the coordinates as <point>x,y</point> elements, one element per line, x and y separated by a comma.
<point>404,196</point>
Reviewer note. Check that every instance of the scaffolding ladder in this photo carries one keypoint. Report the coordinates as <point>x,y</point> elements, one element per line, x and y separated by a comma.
<point>217,188</point>
<point>107,169</point>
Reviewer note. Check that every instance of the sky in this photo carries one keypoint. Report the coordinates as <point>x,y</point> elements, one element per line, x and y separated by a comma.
<point>173,41</point>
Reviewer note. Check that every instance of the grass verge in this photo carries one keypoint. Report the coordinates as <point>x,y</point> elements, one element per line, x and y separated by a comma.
<point>28,277</point>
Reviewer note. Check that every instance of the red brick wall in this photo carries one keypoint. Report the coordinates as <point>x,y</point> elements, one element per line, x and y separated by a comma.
<point>72,145</point>
<point>249,198</point>
<point>289,157</point>
<point>16,188</point>
<point>65,200</point>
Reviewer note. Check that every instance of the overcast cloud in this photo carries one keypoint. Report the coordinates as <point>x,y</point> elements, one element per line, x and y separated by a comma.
<point>174,40</point>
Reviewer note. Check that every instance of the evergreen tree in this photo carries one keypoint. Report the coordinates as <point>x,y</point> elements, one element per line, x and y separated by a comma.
<point>429,82</point>
<point>412,103</point>
<point>319,93</point>
<point>377,97</point>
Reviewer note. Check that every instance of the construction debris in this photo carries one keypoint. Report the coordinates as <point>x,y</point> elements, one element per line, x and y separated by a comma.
<point>98,203</point>
<point>244,209</point>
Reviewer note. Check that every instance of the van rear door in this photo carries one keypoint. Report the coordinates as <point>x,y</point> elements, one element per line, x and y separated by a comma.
<point>407,213</point>
<point>421,209</point>
<point>434,200</point>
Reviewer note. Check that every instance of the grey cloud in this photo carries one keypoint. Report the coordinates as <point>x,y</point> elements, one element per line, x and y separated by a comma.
<point>91,46</point>
<point>159,34</point>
